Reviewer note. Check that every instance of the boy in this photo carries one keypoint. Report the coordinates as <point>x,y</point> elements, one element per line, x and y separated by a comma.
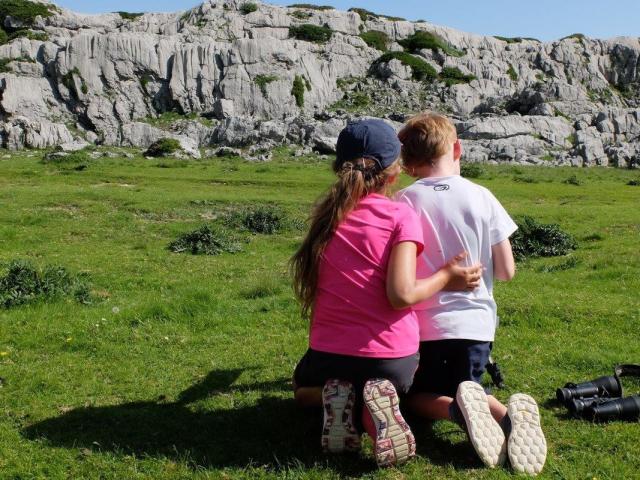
<point>457,328</point>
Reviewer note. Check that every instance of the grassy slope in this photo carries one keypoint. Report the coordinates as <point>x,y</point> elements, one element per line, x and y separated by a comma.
<point>190,378</point>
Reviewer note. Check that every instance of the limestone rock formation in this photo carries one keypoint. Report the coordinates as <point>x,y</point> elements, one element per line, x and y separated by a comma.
<point>227,74</point>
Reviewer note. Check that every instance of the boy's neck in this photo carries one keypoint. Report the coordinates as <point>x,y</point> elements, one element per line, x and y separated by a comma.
<point>442,167</point>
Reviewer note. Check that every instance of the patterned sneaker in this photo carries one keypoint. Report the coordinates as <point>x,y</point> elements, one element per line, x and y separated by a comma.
<point>338,432</point>
<point>394,442</point>
<point>485,433</point>
<point>527,446</point>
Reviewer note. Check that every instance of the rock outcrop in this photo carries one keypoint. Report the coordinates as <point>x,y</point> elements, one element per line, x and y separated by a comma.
<point>228,74</point>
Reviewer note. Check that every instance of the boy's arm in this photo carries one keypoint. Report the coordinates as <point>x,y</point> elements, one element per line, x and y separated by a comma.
<point>504,266</point>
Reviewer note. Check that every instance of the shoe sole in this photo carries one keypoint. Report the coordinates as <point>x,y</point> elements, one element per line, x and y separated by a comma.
<point>527,445</point>
<point>485,433</point>
<point>338,432</point>
<point>394,442</point>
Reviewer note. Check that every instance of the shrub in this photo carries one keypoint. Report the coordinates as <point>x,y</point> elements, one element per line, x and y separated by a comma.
<point>263,80</point>
<point>298,90</point>
<point>4,65</point>
<point>206,241</point>
<point>366,14</point>
<point>130,16</point>
<point>513,75</point>
<point>247,8</point>
<point>633,183</point>
<point>4,38</point>
<point>516,39</point>
<point>163,148</point>
<point>421,70</point>
<point>71,159</point>
<point>265,219</point>
<point>311,6</point>
<point>426,40</point>
<point>574,36</point>
<point>300,14</point>
<point>453,76</point>
<point>23,10</point>
<point>30,34</point>
<point>573,180</point>
<point>533,239</point>
<point>352,102</point>
<point>22,283</point>
<point>376,39</point>
<point>471,170</point>
<point>310,33</point>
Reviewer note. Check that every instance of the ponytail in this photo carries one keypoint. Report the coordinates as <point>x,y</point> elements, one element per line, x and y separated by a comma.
<point>356,180</point>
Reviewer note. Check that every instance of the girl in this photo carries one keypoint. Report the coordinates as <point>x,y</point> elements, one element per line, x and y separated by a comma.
<point>355,275</point>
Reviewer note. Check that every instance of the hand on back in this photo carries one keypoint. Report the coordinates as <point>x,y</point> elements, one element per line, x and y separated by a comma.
<point>463,277</point>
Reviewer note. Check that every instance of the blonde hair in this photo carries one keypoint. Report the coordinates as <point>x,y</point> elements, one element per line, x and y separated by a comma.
<point>425,138</point>
<point>356,179</point>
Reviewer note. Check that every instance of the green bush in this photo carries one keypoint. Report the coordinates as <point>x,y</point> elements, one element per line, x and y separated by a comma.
<point>311,6</point>
<point>247,8</point>
<point>4,38</point>
<point>453,76</point>
<point>163,147</point>
<point>22,283</point>
<point>130,16</point>
<point>513,75</point>
<point>573,180</point>
<point>471,170</point>
<point>376,39</point>
<point>310,33</point>
<point>516,39</point>
<point>263,80</point>
<point>206,241</point>
<point>298,91</point>
<point>633,183</point>
<point>366,14</point>
<point>263,219</point>
<point>533,239</point>
<point>421,70</point>
<point>301,14</point>
<point>30,34</point>
<point>426,40</point>
<point>4,65</point>
<point>24,10</point>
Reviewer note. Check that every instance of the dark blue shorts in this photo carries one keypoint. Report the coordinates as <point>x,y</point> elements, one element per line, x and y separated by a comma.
<point>444,364</point>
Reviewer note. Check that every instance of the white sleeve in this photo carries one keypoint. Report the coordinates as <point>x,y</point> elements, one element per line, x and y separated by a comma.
<point>502,226</point>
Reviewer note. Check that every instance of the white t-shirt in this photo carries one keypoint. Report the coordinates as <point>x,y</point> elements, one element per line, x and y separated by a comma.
<point>457,215</point>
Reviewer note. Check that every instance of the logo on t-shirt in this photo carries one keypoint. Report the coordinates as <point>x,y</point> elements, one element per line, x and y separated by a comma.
<point>441,187</point>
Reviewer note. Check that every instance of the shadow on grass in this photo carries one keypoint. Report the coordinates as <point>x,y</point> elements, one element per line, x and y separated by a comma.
<point>273,433</point>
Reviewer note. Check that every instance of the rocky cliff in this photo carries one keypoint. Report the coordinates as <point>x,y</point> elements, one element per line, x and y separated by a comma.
<point>244,74</point>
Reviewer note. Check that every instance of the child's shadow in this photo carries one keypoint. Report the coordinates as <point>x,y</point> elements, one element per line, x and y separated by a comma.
<point>273,433</point>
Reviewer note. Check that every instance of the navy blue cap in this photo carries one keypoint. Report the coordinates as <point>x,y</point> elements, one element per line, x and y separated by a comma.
<point>371,138</point>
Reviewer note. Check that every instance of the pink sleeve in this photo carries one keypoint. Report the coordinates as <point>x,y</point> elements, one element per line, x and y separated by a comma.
<point>408,228</point>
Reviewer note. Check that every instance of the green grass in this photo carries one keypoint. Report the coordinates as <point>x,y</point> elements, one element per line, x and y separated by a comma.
<point>181,367</point>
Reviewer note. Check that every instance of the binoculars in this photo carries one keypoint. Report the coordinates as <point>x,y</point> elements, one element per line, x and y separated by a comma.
<point>601,400</point>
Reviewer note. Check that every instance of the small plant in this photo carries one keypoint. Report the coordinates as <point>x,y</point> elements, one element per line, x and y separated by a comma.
<point>516,39</point>
<point>311,6</point>
<point>4,37</point>
<point>298,91</point>
<point>267,220</point>
<point>310,33</point>
<point>471,170</point>
<point>513,75</point>
<point>366,14</point>
<point>425,40</point>
<point>593,237</point>
<point>453,76</point>
<point>206,241</point>
<point>163,148</point>
<point>524,179</point>
<point>420,69</point>
<point>22,283</point>
<point>130,16</point>
<point>376,39</point>
<point>262,81</point>
<point>633,183</point>
<point>352,102</point>
<point>247,8</point>
<point>534,239</point>
<point>301,14</point>
<point>4,65</point>
<point>575,36</point>
<point>573,180</point>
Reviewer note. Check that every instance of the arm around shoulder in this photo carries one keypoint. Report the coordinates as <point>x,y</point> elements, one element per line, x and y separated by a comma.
<point>504,265</point>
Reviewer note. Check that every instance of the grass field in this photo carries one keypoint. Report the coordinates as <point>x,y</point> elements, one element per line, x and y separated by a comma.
<point>180,367</point>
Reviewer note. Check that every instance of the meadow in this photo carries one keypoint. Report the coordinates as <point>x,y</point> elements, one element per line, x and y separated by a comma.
<point>178,365</point>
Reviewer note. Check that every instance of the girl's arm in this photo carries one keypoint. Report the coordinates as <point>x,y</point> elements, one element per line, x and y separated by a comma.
<point>404,290</point>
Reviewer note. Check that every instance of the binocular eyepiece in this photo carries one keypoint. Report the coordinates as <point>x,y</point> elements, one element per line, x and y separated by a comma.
<point>599,400</point>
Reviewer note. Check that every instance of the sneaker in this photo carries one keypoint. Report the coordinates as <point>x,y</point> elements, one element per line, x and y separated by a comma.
<point>527,446</point>
<point>394,443</point>
<point>338,433</point>
<point>485,433</point>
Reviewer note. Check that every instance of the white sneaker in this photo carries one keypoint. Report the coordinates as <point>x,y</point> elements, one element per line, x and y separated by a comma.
<point>527,446</point>
<point>485,433</point>
<point>338,433</point>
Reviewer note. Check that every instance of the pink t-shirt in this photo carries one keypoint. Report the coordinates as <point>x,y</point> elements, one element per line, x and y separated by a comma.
<point>352,315</point>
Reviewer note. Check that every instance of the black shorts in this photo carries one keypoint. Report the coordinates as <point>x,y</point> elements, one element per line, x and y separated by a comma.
<point>315,368</point>
<point>444,364</point>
